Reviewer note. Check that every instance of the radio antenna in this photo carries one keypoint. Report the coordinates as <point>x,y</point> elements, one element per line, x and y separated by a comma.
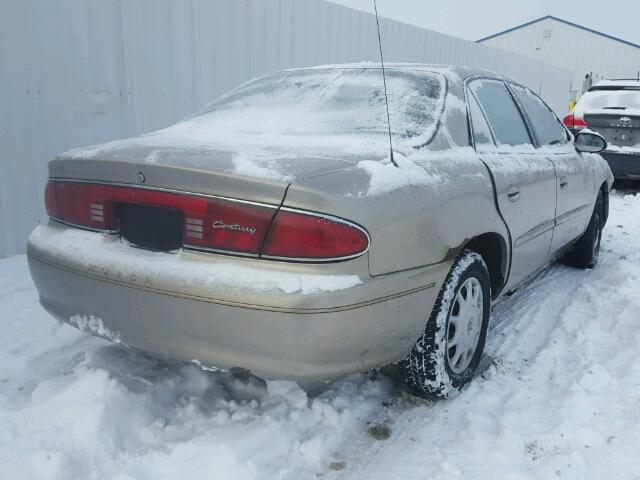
<point>384,80</point>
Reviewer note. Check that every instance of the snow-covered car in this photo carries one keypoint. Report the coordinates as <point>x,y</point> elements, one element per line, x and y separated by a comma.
<point>275,232</point>
<point>612,108</point>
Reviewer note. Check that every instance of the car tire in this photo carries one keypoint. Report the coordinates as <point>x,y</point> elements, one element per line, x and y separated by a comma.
<point>585,252</point>
<point>434,367</point>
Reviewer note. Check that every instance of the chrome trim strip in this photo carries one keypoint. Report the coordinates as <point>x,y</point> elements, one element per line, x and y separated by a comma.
<point>196,248</point>
<point>83,227</point>
<point>216,250</point>
<point>535,232</point>
<point>314,260</point>
<point>571,214</point>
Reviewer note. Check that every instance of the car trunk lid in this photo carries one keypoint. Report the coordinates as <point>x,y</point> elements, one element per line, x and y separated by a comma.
<point>618,129</point>
<point>256,174</point>
<point>186,198</point>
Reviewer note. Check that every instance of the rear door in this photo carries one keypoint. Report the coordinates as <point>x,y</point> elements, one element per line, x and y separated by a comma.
<point>525,179</point>
<point>575,175</point>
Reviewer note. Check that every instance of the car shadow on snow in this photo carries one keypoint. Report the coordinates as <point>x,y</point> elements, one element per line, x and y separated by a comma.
<point>141,372</point>
<point>151,378</point>
<point>626,187</point>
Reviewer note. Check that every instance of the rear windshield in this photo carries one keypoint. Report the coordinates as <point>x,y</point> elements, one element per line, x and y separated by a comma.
<point>332,102</point>
<point>611,100</point>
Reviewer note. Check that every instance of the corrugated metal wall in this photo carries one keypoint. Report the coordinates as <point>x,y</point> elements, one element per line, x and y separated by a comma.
<point>570,47</point>
<point>77,72</point>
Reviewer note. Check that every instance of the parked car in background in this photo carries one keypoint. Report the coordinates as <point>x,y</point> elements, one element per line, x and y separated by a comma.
<point>612,108</point>
<point>274,232</point>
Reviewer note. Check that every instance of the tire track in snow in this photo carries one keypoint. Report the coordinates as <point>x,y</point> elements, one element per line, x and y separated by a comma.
<point>559,304</point>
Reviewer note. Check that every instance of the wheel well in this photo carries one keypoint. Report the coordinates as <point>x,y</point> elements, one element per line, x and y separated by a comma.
<point>493,249</point>
<point>605,196</point>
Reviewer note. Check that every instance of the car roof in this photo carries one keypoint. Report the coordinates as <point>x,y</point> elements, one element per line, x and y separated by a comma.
<point>615,84</point>
<point>448,70</point>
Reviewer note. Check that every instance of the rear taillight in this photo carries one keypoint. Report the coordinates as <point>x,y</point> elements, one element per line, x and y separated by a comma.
<point>50,201</point>
<point>579,123</point>
<point>308,236</point>
<point>84,205</point>
<point>209,222</point>
<point>574,122</point>
<point>213,223</point>
<point>226,225</point>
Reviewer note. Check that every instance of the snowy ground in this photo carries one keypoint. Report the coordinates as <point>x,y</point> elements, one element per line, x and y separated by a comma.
<point>559,398</point>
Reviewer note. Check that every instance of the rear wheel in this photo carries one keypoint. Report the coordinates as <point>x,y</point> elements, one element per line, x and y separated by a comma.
<point>585,252</point>
<point>446,356</point>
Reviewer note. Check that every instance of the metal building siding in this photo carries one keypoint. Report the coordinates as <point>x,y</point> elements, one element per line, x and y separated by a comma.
<point>79,72</point>
<point>573,48</point>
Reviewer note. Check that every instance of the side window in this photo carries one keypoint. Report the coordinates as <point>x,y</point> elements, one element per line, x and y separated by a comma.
<point>502,113</point>
<point>545,124</point>
<point>482,136</point>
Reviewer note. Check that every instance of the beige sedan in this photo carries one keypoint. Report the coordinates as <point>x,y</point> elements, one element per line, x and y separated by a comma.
<point>273,232</point>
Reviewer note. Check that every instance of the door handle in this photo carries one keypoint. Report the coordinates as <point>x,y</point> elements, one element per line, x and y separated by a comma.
<point>513,194</point>
<point>564,183</point>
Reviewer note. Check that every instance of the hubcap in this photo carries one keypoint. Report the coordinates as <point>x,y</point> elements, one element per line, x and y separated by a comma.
<point>465,325</point>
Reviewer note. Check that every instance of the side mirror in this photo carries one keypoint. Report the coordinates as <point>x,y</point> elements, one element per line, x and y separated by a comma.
<point>590,142</point>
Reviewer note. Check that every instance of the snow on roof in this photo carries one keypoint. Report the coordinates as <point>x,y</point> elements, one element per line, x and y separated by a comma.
<point>459,70</point>
<point>616,83</point>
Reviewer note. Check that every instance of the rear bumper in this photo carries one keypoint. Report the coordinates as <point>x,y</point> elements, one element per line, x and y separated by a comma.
<point>280,333</point>
<point>623,165</point>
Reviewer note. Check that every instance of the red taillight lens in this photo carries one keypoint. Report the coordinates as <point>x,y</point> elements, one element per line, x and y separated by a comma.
<point>579,123</point>
<point>574,122</point>
<point>50,201</point>
<point>226,225</point>
<point>85,205</point>
<point>213,223</point>
<point>298,235</point>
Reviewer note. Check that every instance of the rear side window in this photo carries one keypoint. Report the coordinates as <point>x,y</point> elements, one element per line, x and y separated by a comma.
<point>502,113</point>
<point>545,124</point>
<point>482,136</point>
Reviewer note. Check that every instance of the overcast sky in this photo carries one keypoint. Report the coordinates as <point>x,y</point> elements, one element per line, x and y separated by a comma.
<point>474,19</point>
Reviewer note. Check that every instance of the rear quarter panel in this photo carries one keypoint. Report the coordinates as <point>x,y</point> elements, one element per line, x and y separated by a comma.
<point>421,212</point>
